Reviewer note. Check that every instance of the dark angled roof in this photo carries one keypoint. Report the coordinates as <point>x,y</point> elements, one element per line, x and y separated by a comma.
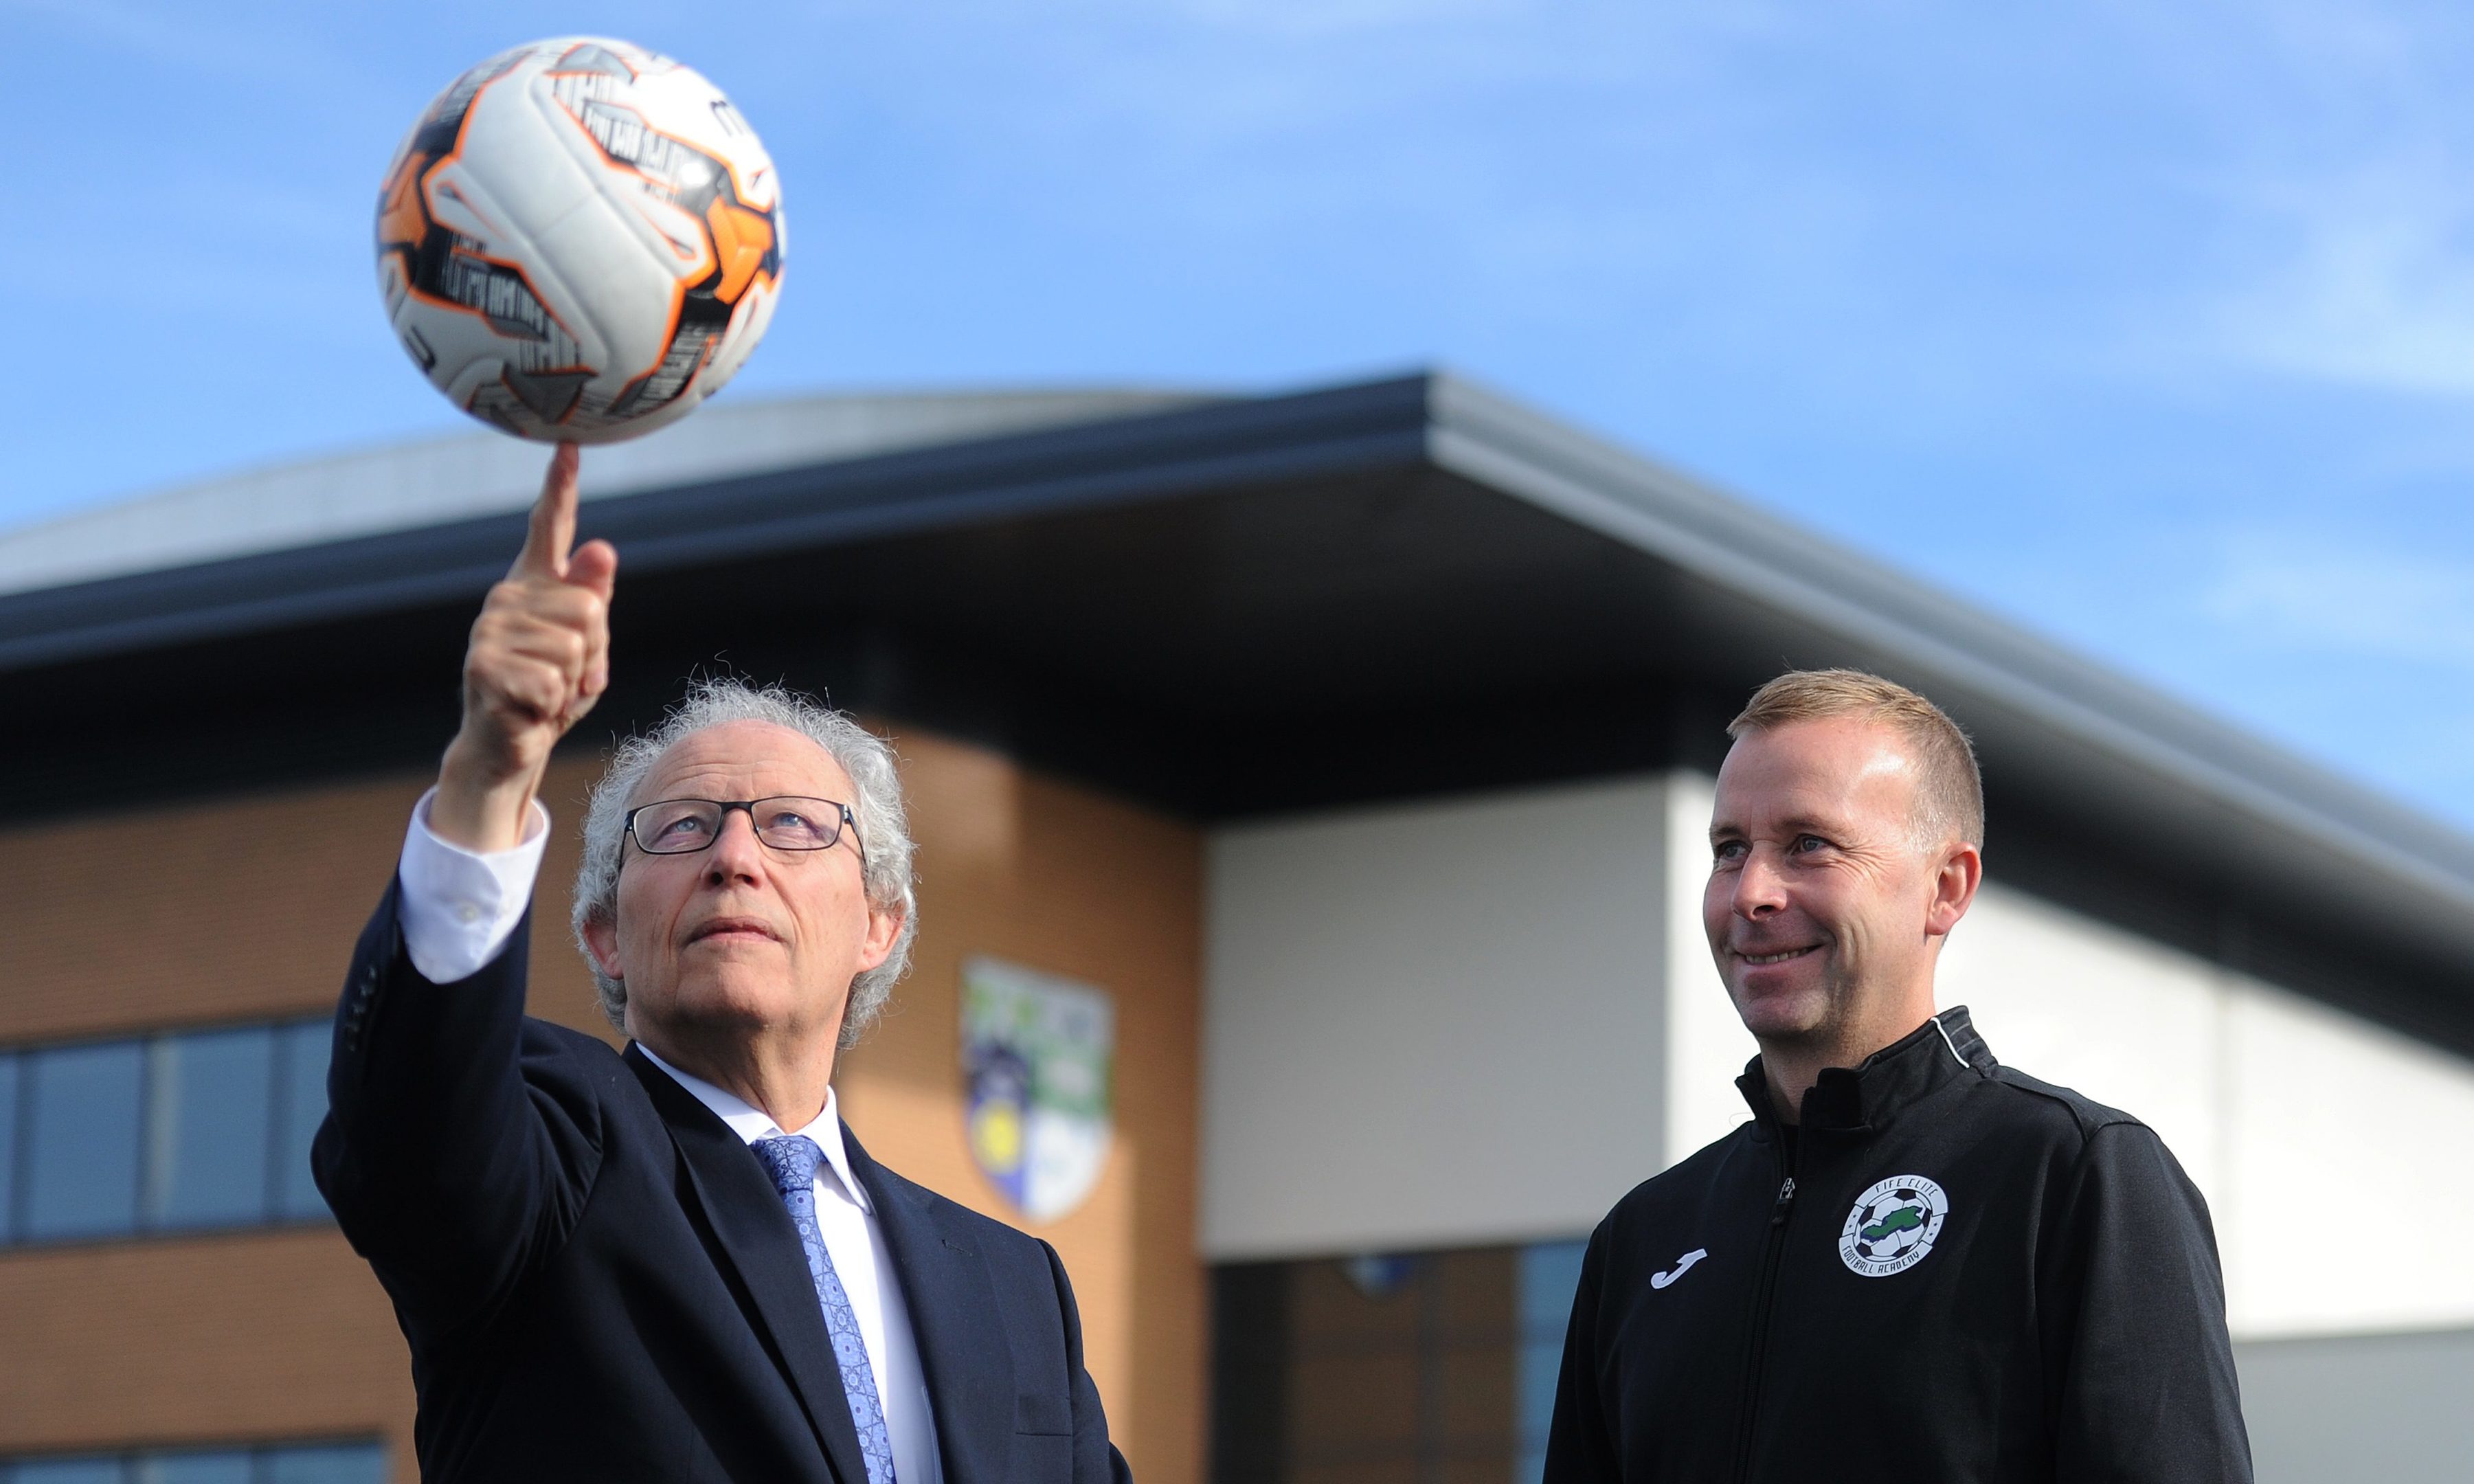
<point>1250,606</point>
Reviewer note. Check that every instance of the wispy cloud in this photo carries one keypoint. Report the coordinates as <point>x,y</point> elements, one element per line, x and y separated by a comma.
<point>2377,289</point>
<point>2339,172</point>
<point>2333,597</point>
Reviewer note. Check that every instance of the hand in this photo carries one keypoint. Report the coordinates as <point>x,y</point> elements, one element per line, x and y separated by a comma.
<point>537,660</point>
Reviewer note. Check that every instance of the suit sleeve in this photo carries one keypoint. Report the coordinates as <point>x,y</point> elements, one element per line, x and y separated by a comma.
<point>451,1158</point>
<point>1580,1447</point>
<point>1096,1459</point>
<point>2143,1384</point>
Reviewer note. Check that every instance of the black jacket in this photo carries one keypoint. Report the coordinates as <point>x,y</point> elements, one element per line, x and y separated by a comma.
<point>599,1282</point>
<point>1958,1273</point>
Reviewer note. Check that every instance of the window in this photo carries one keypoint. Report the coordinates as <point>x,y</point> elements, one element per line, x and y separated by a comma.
<point>8,1141</point>
<point>222,1467</point>
<point>300,1083</point>
<point>316,1463</point>
<point>82,1105</point>
<point>1406,1368</point>
<point>67,1470</point>
<point>1550,1277</point>
<point>351,1463</point>
<point>207,1129</point>
<point>184,1131</point>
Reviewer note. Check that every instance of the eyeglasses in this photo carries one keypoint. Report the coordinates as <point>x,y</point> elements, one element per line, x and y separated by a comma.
<point>678,827</point>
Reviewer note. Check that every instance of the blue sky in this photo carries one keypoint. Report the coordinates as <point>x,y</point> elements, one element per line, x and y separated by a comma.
<point>2148,324</point>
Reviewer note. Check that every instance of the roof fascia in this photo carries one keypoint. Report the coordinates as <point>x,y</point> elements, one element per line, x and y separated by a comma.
<point>1736,545</point>
<point>1131,460</point>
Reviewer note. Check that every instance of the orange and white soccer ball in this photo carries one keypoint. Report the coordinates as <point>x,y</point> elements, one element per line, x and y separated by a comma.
<point>580,239</point>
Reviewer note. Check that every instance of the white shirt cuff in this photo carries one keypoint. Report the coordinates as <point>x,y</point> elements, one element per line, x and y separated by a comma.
<point>459,907</point>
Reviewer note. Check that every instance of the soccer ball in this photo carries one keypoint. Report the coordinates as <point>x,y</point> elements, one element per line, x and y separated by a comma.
<point>580,239</point>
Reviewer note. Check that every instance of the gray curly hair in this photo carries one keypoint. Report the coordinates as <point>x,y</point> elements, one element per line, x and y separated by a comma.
<point>884,832</point>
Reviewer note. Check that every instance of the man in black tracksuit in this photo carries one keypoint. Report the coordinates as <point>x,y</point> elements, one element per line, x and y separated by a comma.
<point>1913,1263</point>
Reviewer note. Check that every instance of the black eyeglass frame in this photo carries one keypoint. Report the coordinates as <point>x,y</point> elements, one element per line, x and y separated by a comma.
<point>847,822</point>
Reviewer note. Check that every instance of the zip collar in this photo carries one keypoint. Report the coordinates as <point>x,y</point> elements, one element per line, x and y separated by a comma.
<point>1864,1097</point>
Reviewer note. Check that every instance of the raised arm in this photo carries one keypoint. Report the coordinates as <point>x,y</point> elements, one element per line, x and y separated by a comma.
<point>448,1157</point>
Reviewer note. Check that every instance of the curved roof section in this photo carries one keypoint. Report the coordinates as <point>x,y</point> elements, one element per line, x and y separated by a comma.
<point>440,480</point>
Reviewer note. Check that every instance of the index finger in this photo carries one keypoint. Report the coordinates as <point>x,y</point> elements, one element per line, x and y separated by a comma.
<point>551,531</point>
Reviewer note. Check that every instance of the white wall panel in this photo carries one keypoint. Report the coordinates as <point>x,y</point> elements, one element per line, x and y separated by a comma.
<point>2265,1097</point>
<point>1433,1025</point>
<point>2350,1205</point>
<point>2114,1016</point>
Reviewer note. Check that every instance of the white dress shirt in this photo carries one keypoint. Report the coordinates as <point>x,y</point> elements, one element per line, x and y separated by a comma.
<point>459,907</point>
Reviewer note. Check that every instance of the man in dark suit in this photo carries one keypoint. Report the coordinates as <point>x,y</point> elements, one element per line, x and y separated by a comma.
<point>673,1263</point>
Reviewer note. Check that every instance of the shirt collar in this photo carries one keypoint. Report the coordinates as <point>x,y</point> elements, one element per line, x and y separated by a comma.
<point>751,1124</point>
<point>1868,1096</point>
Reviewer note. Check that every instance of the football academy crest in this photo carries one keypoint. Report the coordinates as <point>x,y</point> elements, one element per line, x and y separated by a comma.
<point>1039,1053</point>
<point>1893,1226</point>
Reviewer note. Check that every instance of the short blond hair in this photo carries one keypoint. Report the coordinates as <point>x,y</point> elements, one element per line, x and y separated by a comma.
<point>1950,788</point>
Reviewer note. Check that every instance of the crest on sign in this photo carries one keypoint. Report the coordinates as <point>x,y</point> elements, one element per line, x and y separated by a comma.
<point>1039,1053</point>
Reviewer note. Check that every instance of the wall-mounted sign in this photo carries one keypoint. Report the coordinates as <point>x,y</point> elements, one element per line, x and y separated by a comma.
<point>1040,1055</point>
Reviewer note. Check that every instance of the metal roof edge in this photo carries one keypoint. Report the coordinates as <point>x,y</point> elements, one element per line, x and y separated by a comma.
<point>371,490</point>
<point>1151,456</point>
<point>1496,440</point>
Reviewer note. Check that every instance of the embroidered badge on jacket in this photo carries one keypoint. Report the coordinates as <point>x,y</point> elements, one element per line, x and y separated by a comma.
<point>1893,1226</point>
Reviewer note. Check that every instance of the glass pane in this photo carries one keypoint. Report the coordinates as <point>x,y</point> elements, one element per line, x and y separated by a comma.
<point>207,1139</point>
<point>8,1159</point>
<point>1550,1275</point>
<point>303,1103</point>
<point>226,1467</point>
<point>82,1153</point>
<point>354,1463</point>
<point>71,1471</point>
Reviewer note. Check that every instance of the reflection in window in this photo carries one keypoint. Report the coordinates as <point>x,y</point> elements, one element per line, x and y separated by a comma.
<point>82,1149</point>
<point>207,1143</point>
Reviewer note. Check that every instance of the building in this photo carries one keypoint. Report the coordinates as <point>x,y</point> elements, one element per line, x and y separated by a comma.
<point>1354,745</point>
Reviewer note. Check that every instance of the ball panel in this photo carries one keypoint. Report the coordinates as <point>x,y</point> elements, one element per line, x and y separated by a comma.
<point>597,247</point>
<point>748,324</point>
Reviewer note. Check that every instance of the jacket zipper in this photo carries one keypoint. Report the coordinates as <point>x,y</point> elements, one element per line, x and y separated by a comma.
<point>1763,1293</point>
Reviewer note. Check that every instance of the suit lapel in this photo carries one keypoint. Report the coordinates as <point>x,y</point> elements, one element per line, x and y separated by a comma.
<point>754,1229</point>
<point>954,1316</point>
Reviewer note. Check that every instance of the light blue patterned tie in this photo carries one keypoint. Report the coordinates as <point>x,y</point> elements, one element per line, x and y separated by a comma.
<point>792,1162</point>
